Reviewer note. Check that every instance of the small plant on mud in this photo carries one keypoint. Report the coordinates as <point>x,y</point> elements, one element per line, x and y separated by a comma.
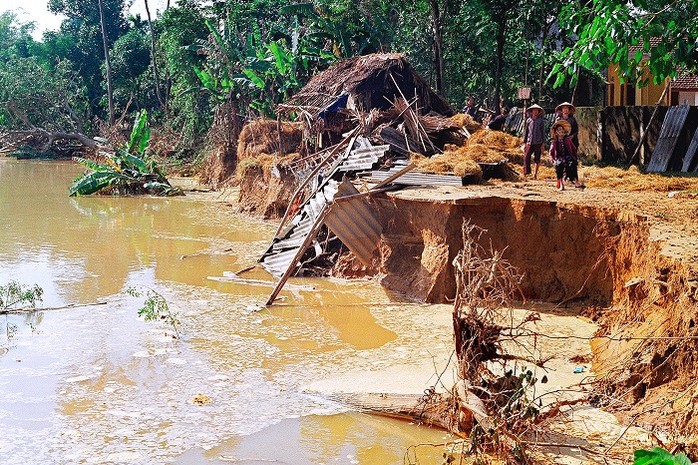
<point>155,308</point>
<point>13,294</point>
<point>659,456</point>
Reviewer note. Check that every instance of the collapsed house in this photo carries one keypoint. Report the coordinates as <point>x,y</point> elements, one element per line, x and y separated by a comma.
<point>370,121</point>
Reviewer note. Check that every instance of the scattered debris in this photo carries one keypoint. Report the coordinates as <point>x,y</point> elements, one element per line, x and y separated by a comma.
<point>201,399</point>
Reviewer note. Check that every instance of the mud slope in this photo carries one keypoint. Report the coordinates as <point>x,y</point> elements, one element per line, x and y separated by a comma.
<point>636,271</point>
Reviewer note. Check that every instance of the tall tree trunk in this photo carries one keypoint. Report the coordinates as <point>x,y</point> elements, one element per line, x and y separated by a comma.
<point>499,66</point>
<point>156,74</point>
<point>107,63</point>
<point>541,78</point>
<point>437,22</point>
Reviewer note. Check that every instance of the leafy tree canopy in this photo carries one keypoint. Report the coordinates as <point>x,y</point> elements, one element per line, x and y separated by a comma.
<point>658,35</point>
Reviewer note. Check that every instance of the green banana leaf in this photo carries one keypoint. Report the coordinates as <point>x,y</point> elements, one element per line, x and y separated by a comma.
<point>140,134</point>
<point>128,161</point>
<point>94,182</point>
<point>93,165</point>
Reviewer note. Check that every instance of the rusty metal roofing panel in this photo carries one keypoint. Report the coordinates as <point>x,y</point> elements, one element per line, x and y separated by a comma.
<point>354,223</point>
<point>663,154</point>
<point>418,179</point>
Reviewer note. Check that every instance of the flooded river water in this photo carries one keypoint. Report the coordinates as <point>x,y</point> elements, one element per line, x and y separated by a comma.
<point>97,384</point>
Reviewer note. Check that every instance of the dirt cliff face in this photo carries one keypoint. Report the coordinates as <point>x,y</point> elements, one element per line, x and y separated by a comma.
<point>611,260</point>
<point>265,191</point>
<point>564,252</point>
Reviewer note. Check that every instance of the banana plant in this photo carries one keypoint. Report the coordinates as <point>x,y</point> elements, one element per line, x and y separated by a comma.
<point>126,171</point>
<point>259,72</point>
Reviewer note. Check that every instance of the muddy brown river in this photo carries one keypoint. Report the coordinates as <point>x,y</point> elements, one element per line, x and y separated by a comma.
<point>97,384</point>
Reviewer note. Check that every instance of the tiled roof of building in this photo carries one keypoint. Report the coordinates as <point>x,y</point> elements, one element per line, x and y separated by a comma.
<point>685,82</point>
<point>654,41</point>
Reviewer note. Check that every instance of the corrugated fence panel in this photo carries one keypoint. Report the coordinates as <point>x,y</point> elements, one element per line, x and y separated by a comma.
<point>688,164</point>
<point>418,179</point>
<point>663,154</point>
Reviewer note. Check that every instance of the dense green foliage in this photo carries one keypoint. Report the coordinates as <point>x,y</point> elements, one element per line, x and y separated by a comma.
<point>664,37</point>
<point>256,53</point>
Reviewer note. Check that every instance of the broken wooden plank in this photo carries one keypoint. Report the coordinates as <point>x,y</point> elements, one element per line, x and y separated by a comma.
<point>395,175</point>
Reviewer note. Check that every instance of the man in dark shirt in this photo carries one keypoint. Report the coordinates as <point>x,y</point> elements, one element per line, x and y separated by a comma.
<point>534,139</point>
<point>471,109</point>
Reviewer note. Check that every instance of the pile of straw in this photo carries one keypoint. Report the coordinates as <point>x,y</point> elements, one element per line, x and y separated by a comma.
<point>462,120</point>
<point>476,152</point>
<point>448,163</point>
<point>262,136</point>
<point>633,180</point>
<point>496,140</point>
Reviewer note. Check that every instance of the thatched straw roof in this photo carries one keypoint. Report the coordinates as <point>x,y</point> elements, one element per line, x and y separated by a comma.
<point>368,82</point>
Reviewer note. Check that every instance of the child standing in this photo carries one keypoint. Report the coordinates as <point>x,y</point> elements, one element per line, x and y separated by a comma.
<point>565,111</point>
<point>534,138</point>
<point>564,154</point>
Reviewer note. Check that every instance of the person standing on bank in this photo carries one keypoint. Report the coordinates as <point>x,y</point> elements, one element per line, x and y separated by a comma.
<point>565,112</point>
<point>564,154</point>
<point>534,139</point>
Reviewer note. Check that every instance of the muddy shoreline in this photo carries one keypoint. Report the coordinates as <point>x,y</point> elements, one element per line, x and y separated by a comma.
<point>628,259</point>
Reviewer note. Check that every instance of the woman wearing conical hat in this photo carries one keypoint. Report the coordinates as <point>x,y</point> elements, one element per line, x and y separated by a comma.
<point>565,112</point>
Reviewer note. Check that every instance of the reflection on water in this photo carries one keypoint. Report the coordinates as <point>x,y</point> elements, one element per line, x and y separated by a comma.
<point>96,384</point>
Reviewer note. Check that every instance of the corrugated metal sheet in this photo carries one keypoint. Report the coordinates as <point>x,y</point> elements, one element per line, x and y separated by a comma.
<point>663,154</point>
<point>363,156</point>
<point>280,254</point>
<point>688,163</point>
<point>417,179</point>
<point>354,223</point>
<point>354,220</point>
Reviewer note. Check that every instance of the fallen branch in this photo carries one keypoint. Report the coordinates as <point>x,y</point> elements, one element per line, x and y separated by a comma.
<point>6,311</point>
<point>41,140</point>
